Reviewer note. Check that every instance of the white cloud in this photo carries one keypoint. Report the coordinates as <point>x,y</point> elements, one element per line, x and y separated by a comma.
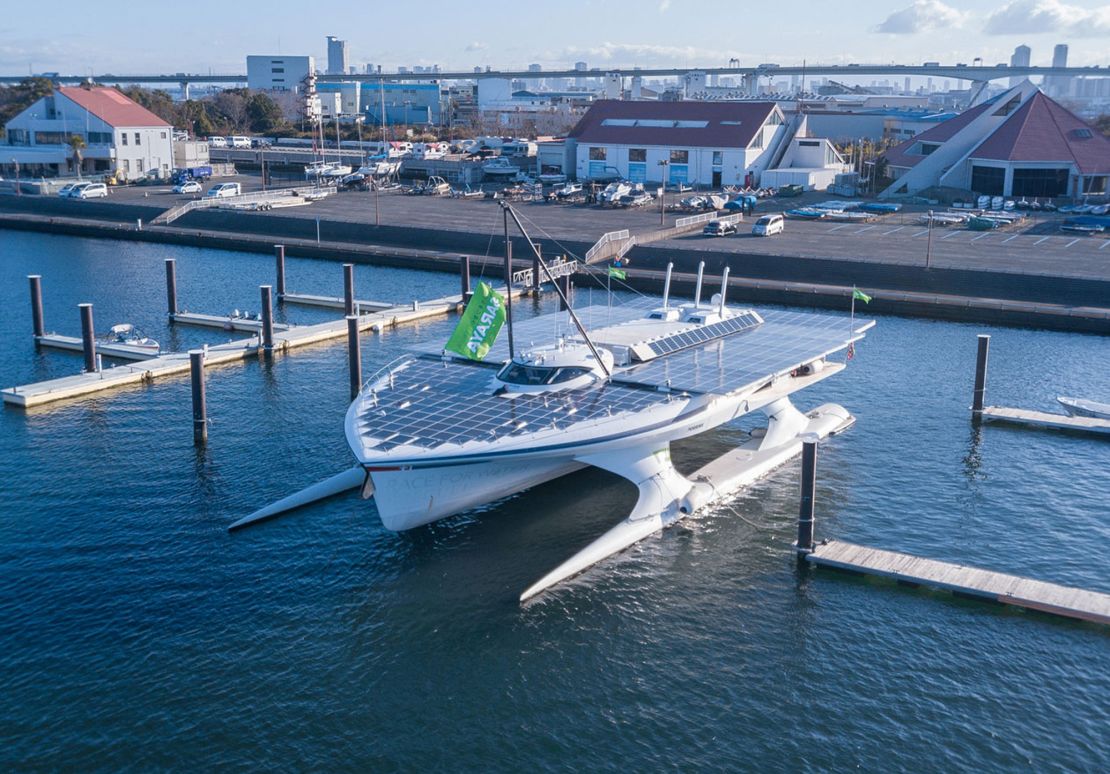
<point>664,5</point>
<point>922,16</point>
<point>476,46</point>
<point>1030,17</point>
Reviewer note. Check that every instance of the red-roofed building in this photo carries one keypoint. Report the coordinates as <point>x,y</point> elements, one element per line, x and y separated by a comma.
<point>120,136</point>
<point>1021,143</point>
<point>707,143</point>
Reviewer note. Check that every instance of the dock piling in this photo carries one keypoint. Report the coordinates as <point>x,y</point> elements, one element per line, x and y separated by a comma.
<point>200,403</point>
<point>171,287</point>
<point>536,271</point>
<point>267,320</point>
<point>464,277</point>
<point>36,305</point>
<point>348,288</point>
<point>279,256</point>
<point>980,376</point>
<point>88,342</point>
<point>564,297</point>
<point>805,506</point>
<point>354,355</point>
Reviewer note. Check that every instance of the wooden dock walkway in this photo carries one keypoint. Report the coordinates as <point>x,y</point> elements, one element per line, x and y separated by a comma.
<point>994,586</point>
<point>1045,419</point>
<point>83,384</point>
<point>332,302</point>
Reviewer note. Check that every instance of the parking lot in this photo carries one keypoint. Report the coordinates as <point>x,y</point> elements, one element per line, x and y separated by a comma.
<point>1036,246</point>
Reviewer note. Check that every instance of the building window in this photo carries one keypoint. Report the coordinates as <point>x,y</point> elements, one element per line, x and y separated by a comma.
<point>138,165</point>
<point>928,147</point>
<point>809,143</point>
<point>1009,107</point>
<point>138,139</point>
<point>637,154</point>
<point>51,138</point>
<point>123,138</point>
<point>718,158</point>
<point>988,181</point>
<point>597,154</point>
<point>163,135</point>
<point>1096,184</point>
<point>757,141</point>
<point>680,157</point>
<point>277,69</point>
<point>1040,182</point>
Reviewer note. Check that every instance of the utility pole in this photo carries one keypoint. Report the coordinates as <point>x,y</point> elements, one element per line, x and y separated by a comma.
<point>929,242</point>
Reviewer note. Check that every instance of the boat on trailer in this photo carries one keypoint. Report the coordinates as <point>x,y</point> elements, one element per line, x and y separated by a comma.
<point>436,434</point>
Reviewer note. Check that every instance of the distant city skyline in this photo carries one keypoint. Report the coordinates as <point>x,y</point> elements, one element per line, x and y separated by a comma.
<point>80,37</point>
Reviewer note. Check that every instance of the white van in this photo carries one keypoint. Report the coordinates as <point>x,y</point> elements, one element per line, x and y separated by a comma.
<point>89,191</point>
<point>217,142</point>
<point>223,190</point>
<point>239,141</point>
<point>769,225</point>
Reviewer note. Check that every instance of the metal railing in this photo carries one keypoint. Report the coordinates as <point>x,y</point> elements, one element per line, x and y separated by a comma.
<point>556,270</point>
<point>705,217</point>
<point>612,236</point>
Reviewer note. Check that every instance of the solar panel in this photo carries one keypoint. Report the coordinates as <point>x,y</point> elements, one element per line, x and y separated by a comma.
<point>785,341</point>
<point>695,336</point>
<point>432,403</point>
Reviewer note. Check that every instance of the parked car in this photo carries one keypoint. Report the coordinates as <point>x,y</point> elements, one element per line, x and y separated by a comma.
<point>719,228</point>
<point>260,142</point>
<point>217,142</point>
<point>65,189</point>
<point>188,187</point>
<point>222,190</point>
<point>89,191</point>
<point>239,141</point>
<point>769,225</point>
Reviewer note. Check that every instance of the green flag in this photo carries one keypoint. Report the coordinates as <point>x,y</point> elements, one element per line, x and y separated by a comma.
<point>861,296</point>
<point>618,273</point>
<point>479,325</point>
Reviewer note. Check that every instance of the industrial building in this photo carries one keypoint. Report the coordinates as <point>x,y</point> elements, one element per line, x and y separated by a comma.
<point>704,143</point>
<point>405,103</point>
<point>1019,143</point>
<point>279,73</point>
<point>120,136</point>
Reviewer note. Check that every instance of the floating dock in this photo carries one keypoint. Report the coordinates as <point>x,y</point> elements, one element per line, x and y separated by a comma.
<point>74,344</point>
<point>1045,419</point>
<point>224,323</point>
<point>83,384</point>
<point>1037,595</point>
<point>331,302</point>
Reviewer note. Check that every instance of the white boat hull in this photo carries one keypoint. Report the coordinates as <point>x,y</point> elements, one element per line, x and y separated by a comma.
<point>415,497</point>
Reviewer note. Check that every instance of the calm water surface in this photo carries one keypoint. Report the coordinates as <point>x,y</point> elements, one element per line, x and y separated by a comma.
<point>137,633</point>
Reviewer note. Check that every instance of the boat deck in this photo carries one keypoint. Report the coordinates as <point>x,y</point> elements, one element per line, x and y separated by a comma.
<point>985,584</point>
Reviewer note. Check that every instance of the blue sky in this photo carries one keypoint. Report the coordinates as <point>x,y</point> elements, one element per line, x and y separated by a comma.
<point>200,35</point>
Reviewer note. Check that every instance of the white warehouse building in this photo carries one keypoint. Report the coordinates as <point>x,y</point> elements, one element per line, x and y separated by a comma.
<point>704,143</point>
<point>278,73</point>
<point>120,135</point>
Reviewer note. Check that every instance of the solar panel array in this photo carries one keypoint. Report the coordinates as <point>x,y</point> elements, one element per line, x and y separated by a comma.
<point>702,334</point>
<point>432,403</point>
<point>785,341</point>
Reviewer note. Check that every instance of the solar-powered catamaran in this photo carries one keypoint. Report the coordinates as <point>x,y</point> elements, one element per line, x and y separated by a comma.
<point>437,433</point>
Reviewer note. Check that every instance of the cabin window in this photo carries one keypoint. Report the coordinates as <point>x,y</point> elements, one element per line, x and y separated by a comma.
<point>597,154</point>
<point>680,157</point>
<point>535,376</point>
<point>637,154</point>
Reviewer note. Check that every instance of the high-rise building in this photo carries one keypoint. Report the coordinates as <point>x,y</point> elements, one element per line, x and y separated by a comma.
<point>579,81</point>
<point>1019,59</point>
<point>1059,85</point>
<point>337,56</point>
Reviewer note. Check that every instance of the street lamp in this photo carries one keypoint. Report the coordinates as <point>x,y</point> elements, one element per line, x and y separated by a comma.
<point>663,193</point>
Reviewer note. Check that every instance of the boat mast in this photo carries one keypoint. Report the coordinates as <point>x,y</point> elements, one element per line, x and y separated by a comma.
<point>508,281</point>
<point>543,265</point>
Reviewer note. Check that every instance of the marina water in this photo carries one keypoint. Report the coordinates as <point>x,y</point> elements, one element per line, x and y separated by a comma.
<point>138,633</point>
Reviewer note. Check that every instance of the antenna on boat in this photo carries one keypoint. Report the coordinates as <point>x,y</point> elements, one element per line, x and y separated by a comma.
<point>667,286</point>
<point>724,292</point>
<point>697,290</point>
<point>508,210</point>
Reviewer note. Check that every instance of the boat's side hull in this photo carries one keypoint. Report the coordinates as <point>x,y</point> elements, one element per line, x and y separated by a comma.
<point>417,496</point>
